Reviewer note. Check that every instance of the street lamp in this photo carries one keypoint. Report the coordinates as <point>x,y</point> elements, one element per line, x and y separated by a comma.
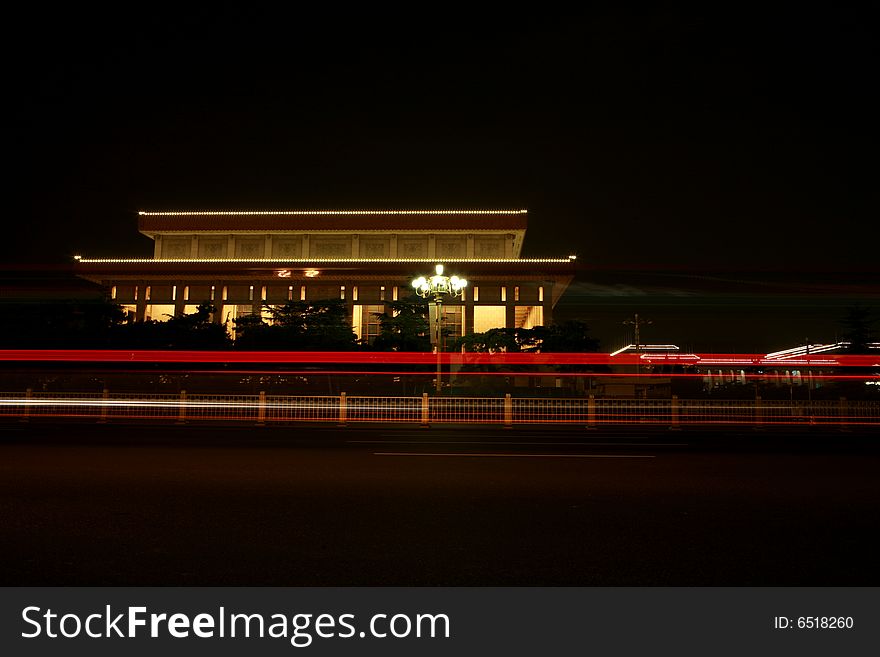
<point>438,286</point>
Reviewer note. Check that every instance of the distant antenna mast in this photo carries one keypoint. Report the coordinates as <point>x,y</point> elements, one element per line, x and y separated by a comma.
<point>637,322</point>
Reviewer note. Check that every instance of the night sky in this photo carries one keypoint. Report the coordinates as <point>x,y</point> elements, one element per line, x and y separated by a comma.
<point>653,141</point>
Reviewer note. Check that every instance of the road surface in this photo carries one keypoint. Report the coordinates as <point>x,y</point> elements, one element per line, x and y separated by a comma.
<point>86,504</point>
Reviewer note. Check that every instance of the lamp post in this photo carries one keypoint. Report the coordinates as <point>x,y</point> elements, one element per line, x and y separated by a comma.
<point>438,286</point>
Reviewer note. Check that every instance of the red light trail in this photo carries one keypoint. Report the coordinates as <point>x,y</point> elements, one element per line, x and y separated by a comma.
<point>427,358</point>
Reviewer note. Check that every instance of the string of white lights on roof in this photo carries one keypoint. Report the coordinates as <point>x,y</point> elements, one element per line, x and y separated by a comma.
<point>321,260</point>
<point>237,213</point>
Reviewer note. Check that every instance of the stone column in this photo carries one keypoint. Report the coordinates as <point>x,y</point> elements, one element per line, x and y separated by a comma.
<point>468,319</point>
<point>141,302</point>
<point>179,299</point>
<point>547,303</point>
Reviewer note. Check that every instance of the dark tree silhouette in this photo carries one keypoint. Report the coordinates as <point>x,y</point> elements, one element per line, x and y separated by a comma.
<point>81,324</point>
<point>858,329</point>
<point>499,340</point>
<point>188,331</point>
<point>570,336</point>
<point>299,325</point>
<point>405,327</point>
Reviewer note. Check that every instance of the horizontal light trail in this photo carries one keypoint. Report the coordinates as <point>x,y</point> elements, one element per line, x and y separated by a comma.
<point>343,409</point>
<point>304,373</point>
<point>769,378</point>
<point>464,405</point>
<point>505,455</point>
<point>424,358</point>
<point>660,421</point>
<point>466,412</point>
<point>511,442</point>
<point>456,373</point>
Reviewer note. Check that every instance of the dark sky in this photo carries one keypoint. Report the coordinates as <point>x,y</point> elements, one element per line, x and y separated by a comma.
<point>669,139</point>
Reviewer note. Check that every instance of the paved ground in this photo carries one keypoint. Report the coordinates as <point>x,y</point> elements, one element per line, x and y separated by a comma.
<point>195,505</point>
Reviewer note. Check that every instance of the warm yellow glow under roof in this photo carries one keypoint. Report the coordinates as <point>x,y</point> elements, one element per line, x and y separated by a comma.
<point>325,212</point>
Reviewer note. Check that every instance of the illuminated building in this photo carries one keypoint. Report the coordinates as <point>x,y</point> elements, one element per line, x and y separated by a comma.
<point>242,262</point>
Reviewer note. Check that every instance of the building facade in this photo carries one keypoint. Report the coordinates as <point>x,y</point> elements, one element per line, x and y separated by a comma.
<point>243,262</point>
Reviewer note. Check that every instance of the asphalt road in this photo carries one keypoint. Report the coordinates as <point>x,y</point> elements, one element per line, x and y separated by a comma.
<point>294,506</point>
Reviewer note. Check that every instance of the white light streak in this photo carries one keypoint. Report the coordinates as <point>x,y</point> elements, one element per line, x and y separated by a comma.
<point>647,347</point>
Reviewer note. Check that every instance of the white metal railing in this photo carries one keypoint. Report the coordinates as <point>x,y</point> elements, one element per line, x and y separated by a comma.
<point>106,406</point>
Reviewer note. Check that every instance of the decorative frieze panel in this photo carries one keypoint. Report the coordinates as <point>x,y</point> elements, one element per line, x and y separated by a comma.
<point>176,247</point>
<point>213,247</point>
<point>284,247</point>
<point>412,248</point>
<point>249,247</point>
<point>331,248</point>
<point>489,247</point>
<point>373,248</point>
<point>451,247</point>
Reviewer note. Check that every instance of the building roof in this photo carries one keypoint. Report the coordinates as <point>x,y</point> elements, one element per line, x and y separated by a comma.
<point>348,220</point>
<point>316,270</point>
<point>98,268</point>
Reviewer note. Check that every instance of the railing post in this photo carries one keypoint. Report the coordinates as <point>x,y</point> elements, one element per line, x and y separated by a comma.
<point>508,411</point>
<point>674,414</point>
<point>843,413</point>
<point>261,410</point>
<point>26,414</point>
<point>426,411</point>
<point>105,396</point>
<point>181,413</point>
<point>759,413</point>
<point>342,410</point>
<point>591,412</point>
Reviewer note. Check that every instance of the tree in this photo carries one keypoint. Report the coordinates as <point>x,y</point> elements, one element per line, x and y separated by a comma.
<point>498,340</point>
<point>78,324</point>
<point>299,325</point>
<point>405,328</point>
<point>196,330</point>
<point>858,329</point>
<point>187,331</point>
<point>569,336</point>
